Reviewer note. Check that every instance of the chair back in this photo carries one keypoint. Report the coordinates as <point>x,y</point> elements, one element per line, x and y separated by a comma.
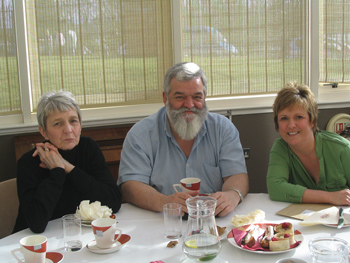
<point>8,206</point>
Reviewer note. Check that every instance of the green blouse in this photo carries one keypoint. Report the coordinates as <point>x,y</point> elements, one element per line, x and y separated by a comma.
<point>287,178</point>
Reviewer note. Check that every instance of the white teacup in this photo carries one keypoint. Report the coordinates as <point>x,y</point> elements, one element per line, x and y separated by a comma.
<point>105,231</point>
<point>33,249</point>
<point>188,184</point>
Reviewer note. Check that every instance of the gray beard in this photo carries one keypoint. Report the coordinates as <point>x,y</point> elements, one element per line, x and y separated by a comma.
<point>187,129</point>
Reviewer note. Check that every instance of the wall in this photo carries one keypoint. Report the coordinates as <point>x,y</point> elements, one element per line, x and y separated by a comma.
<point>257,132</point>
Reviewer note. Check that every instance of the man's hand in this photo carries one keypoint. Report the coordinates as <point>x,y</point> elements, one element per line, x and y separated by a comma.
<point>227,202</point>
<point>180,198</point>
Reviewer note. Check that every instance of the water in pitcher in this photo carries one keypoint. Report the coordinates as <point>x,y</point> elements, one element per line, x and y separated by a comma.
<point>201,240</point>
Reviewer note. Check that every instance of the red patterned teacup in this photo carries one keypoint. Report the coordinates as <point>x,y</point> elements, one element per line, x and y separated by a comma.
<point>106,232</point>
<point>188,184</point>
<point>33,249</point>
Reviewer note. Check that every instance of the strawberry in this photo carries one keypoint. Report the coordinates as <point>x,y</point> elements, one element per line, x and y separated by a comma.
<point>285,225</point>
<point>274,239</point>
<point>286,235</point>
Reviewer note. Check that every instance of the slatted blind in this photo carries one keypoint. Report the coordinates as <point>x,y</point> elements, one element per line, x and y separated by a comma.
<point>106,52</point>
<point>116,52</point>
<point>335,41</point>
<point>247,47</point>
<point>10,102</point>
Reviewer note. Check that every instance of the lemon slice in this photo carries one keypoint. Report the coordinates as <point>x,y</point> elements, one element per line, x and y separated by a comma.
<point>191,243</point>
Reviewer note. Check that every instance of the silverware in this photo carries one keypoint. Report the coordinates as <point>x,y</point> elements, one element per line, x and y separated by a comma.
<point>341,219</point>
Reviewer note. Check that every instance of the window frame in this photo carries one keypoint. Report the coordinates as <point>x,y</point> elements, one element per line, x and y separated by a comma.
<point>120,115</point>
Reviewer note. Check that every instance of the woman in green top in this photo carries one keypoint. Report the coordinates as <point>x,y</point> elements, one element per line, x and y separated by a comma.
<point>306,165</point>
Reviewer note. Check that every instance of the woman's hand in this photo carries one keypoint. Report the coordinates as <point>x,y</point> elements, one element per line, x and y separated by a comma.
<point>49,156</point>
<point>340,197</point>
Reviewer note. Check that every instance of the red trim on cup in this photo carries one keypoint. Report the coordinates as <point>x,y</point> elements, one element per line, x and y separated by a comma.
<point>40,248</point>
<point>100,228</point>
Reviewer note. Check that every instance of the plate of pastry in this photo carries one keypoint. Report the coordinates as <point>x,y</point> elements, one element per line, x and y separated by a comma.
<point>266,238</point>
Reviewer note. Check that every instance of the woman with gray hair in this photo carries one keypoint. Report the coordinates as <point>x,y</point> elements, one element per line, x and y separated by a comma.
<point>62,171</point>
<point>306,165</point>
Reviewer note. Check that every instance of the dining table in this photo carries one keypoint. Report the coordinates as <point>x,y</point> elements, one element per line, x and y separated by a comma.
<point>148,242</point>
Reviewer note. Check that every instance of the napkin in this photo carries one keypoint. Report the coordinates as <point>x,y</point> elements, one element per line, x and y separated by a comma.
<point>95,210</point>
<point>327,216</point>
<point>256,216</point>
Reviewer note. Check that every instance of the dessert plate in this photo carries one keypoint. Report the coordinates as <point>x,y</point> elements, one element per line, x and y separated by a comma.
<point>116,246</point>
<point>231,239</point>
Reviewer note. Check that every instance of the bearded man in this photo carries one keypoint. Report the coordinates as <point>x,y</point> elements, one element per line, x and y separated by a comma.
<point>183,140</point>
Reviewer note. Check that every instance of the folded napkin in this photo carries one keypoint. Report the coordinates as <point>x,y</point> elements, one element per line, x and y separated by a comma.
<point>95,210</point>
<point>327,216</point>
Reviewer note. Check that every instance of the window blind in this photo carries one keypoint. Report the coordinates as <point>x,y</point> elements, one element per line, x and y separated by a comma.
<point>116,52</point>
<point>246,47</point>
<point>106,52</point>
<point>10,102</point>
<point>334,41</point>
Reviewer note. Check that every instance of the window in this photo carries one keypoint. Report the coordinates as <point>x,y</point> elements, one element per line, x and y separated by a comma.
<point>335,41</point>
<point>106,52</point>
<point>246,47</point>
<point>116,52</point>
<point>9,87</point>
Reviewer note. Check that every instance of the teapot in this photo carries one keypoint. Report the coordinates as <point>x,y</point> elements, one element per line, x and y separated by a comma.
<point>201,239</point>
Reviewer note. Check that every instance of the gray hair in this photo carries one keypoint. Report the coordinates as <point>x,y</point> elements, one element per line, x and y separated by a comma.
<point>60,101</point>
<point>184,71</point>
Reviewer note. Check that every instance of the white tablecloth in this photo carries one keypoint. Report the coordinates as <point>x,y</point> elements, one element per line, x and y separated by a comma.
<point>149,244</point>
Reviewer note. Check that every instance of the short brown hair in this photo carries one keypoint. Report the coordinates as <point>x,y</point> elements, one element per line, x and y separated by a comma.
<point>296,94</point>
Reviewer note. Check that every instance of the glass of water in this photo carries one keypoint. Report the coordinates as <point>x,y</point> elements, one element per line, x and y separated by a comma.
<point>72,232</point>
<point>329,250</point>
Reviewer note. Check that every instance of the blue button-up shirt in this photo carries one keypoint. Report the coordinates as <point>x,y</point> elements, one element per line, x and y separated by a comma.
<point>151,154</point>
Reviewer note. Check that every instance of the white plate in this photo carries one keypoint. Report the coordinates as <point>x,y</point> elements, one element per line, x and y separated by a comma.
<point>224,235</point>
<point>232,241</point>
<point>86,223</point>
<point>335,225</point>
<point>116,246</point>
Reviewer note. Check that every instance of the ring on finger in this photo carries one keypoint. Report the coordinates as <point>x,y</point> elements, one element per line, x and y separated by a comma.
<point>47,149</point>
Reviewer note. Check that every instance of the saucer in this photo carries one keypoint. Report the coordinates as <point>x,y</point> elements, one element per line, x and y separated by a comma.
<point>53,257</point>
<point>116,246</point>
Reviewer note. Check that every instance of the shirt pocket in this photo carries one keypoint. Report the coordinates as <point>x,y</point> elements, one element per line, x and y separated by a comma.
<point>212,176</point>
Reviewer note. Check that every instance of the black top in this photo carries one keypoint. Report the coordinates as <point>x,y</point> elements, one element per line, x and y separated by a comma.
<point>49,194</point>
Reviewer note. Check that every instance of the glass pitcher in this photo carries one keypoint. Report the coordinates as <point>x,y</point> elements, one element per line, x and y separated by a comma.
<point>201,239</point>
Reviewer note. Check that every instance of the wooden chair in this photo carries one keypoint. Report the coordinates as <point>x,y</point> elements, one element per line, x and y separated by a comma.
<point>8,206</point>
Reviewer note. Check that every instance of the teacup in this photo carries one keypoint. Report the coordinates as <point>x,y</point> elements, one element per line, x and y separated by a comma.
<point>33,249</point>
<point>188,184</point>
<point>105,231</point>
